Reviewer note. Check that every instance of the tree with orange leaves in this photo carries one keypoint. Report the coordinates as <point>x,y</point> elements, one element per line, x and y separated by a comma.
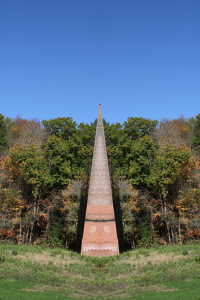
<point>172,132</point>
<point>27,132</point>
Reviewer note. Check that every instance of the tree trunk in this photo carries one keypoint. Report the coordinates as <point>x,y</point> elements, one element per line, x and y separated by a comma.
<point>168,232</point>
<point>151,225</point>
<point>48,224</point>
<point>27,233</point>
<point>31,233</point>
<point>179,230</point>
<point>20,231</point>
<point>67,239</point>
<point>172,232</point>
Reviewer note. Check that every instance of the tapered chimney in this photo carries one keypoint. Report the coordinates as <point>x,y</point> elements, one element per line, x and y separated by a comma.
<point>100,235</point>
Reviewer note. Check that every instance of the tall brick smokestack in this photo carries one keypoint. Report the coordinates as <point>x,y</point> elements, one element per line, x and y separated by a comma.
<point>100,235</point>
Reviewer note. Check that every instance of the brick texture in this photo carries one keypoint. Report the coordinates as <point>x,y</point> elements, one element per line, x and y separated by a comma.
<point>100,235</point>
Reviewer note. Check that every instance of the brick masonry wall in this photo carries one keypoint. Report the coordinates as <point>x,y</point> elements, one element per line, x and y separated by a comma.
<point>100,235</point>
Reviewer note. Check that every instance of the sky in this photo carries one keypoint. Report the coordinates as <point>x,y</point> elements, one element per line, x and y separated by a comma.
<point>138,58</point>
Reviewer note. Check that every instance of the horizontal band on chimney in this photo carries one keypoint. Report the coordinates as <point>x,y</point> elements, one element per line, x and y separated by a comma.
<point>100,221</point>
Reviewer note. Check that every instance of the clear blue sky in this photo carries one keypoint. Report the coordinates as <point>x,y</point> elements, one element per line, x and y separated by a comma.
<point>64,57</point>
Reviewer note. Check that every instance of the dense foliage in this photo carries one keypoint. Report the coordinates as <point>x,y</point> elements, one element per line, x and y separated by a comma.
<point>45,170</point>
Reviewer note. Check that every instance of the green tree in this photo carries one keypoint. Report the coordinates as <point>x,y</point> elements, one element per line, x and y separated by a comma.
<point>4,143</point>
<point>58,158</point>
<point>63,128</point>
<point>136,128</point>
<point>170,169</point>
<point>28,167</point>
<point>122,143</point>
<point>141,160</point>
<point>196,134</point>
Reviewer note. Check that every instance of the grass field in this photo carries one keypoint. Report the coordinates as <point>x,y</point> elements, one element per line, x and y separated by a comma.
<point>33,272</point>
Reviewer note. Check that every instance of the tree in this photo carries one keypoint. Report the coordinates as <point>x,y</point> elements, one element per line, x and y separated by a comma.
<point>26,133</point>
<point>3,135</point>
<point>58,159</point>
<point>136,128</point>
<point>141,160</point>
<point>170,172</point>
<point>196,137</point>
<point>29,168</point>
<point>189,210</point>
<point>63,128</point>
<point>170,169</point>
<point>123,143</point>
<point>172,132</point>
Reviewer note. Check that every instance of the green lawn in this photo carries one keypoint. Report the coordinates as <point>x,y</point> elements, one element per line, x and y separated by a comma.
<point>41,273</point>
<point>18,290</point>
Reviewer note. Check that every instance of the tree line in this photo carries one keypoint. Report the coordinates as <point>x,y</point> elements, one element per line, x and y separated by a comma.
<point>45,170</point>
